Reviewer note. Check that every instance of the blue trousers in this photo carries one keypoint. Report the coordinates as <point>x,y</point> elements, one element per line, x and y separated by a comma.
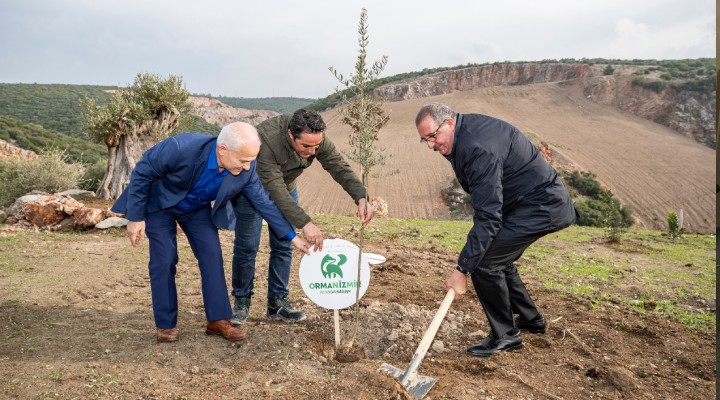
<point>248,228</point>
<point>161,230</point>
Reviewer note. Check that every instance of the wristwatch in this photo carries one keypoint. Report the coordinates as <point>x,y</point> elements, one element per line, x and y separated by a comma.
<point>462,270</point>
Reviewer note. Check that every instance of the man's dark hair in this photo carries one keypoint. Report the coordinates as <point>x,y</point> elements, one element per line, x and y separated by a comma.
<point>307,121</point>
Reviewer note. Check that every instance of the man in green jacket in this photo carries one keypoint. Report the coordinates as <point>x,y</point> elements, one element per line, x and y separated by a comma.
<point>290,143</point>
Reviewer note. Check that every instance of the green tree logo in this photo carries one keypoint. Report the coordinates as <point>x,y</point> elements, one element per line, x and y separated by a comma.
<point>330,267</point>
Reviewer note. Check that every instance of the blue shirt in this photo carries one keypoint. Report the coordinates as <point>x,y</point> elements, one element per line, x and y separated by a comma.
<point>206,187</point>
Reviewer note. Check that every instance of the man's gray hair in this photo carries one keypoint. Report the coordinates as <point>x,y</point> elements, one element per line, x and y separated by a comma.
<point>237,134</point>
<point>438,111</point>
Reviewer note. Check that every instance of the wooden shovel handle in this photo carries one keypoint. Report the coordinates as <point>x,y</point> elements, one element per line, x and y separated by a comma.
<point>428,337</point>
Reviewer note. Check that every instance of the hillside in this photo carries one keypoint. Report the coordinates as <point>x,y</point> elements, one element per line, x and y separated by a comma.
<point>645,164</point>
<point>54,107</point>
<point>278,104</point>
<point>220,114</point>
<point>667,96</point>
<point>33,137</point>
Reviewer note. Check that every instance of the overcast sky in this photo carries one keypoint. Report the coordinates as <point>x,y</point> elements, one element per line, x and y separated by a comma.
<point>278,48</point>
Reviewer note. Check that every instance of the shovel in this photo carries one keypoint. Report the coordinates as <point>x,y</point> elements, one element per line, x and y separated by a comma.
<point>417,385</point>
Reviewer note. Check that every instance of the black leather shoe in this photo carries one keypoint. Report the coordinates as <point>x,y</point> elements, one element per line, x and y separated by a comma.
<point>535,325</point>
<point>492,344</point>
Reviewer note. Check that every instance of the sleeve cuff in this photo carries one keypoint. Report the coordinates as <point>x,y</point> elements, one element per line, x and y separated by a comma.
<point>462,270</point>
<point>290,236</point>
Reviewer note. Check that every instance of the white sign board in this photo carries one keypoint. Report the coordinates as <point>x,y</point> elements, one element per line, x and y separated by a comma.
<point>329,277</point>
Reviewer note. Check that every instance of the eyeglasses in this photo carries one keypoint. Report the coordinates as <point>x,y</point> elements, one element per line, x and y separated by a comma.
<point>433,134</point>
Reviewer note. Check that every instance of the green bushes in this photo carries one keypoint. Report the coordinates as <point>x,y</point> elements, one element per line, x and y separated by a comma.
<point>49,173</point>
<point>598,207</point>
<point>655,85</point>
<point>585,183</point>
<point>54,107</point>
<point>93,176</point>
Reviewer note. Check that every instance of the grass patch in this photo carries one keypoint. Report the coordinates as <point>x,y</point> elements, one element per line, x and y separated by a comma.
<point>646,271</point>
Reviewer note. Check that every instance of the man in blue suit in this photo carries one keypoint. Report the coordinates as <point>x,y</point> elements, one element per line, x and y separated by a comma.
<point>174,183</point>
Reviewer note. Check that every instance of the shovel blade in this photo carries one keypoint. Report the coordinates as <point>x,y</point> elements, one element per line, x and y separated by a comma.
<point>418,386</point>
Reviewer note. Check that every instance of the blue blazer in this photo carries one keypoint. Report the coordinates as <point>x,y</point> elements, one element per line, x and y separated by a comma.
<point>168,171</point>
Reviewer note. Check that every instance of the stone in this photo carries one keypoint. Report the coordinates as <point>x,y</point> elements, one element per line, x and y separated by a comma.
<point>379,207</point>
<point>477,334</point>
<point>8,150</point>
<point>438,346</point>
<point>43,209</point>
<point>76,192</point>
<point>87,217</point>
<point>112,222</point>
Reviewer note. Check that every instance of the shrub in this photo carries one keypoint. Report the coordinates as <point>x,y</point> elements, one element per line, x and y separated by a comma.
<point>675,229</point>
<point>585,183</point>
<point>651,84</point>
<point>599,208</point>
<point>49,173</point>
<point>93,176</point>
<point>616,217</point>
<point>608,70</point>
<point>459,202</point>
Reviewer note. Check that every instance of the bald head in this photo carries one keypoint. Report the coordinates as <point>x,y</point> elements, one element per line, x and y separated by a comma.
<point>239,134</point>
<point>238,145</point>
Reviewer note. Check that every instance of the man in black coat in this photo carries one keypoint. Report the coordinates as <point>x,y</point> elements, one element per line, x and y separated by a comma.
<point>517,197</point>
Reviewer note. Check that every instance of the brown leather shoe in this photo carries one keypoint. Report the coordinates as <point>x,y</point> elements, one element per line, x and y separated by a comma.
<point>225,329</point>
<point>167,335</point>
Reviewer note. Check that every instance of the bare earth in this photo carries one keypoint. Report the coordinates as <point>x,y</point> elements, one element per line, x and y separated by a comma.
<point>77,323</point>
<point>645,164</point>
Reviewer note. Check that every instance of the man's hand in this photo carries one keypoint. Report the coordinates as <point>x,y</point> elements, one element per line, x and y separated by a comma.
<point>365,212</point>
<point>301,244</point>
<point>458,282</point>
<point>136,232</point>
<point>313,235</point>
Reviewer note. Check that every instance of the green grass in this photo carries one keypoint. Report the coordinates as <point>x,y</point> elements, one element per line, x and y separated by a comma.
<point>646,266</point>
<point>448,234</point>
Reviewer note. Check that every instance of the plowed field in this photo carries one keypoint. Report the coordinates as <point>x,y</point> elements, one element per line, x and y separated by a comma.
<point>645,164</point>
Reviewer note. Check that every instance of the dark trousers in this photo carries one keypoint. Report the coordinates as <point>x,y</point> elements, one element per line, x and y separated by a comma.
<point>161,230</point>
<point>248,228</point>
<point>498,285</point>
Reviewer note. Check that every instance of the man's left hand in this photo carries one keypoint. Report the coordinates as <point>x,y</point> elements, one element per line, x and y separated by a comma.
<point>365,212</point>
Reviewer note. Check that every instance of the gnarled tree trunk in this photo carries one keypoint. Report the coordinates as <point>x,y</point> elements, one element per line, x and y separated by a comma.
<point>127,147</point>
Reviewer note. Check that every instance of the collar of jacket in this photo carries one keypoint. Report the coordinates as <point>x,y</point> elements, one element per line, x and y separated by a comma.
<point>458,123</point>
